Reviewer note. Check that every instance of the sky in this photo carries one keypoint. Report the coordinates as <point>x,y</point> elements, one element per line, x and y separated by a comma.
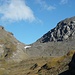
<point>29,20</point>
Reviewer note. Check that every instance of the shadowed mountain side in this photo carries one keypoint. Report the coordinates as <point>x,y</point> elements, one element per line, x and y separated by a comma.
<point>65,73</point>
<point>71,70</point>
<point>57,65</point>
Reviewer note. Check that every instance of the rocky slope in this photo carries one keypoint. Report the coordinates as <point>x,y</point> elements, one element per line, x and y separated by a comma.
<point>63,65</point>
<point>10,48</point>
<point>56,42</point>
<point>50,55</point>
<point>65,30</point>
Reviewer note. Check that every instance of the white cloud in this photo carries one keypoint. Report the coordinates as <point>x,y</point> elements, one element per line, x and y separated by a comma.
<point>15,10</point>
<point>51,8</point>
<point>63,1</point>
<point>45,6</point>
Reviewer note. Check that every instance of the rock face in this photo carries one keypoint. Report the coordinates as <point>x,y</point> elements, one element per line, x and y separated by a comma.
<point>1,27</point>
<point>71,69</point>
<point>65,30</point>
<point>72,66</point>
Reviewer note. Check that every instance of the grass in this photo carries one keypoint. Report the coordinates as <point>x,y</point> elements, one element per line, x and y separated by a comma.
<point>70,53</point>
<point>23,68</point>
<point>56,61</point>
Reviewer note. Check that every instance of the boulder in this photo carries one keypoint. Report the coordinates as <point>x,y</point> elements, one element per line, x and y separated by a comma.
<point>34,66</point>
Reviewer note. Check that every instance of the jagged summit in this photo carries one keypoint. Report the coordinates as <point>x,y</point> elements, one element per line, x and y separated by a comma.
<point>65,30</point>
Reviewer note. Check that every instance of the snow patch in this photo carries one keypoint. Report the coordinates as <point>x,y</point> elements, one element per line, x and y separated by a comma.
<point>27,47</point>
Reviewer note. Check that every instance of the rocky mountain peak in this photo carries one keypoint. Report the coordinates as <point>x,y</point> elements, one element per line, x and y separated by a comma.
<point>65,30</point>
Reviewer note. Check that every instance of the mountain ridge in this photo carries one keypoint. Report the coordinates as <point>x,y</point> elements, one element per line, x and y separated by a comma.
<point>10,47</point>
<point>57,42</point>
<point>44,57</point>
<point>62,32</point>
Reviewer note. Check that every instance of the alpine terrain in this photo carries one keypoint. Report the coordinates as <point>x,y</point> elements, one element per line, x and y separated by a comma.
<point>52,54</point>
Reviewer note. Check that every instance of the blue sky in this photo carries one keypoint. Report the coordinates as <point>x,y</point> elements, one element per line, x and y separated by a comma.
<point>28,20</point>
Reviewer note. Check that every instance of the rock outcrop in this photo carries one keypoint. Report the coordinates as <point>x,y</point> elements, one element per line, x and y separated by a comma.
<point>65,30</point>
<point>1,27</point>
<point>71,69</point>
<point>72,66</point>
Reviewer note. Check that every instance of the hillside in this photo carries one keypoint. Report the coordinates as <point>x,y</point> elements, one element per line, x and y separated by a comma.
<point>63,42</point>
<point>56,42</point>
<point>10,48</point>
<point>41,66</point>
<point>64,31</point>
<point>52,54</point>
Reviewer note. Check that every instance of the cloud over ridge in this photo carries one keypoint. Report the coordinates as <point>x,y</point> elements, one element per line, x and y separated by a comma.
<point>16,10</point>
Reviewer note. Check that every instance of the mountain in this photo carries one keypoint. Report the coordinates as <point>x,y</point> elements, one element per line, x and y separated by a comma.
<point>52,54</point>
<point>64,31</point>
<point>10,47</point>
<point>56,42</point>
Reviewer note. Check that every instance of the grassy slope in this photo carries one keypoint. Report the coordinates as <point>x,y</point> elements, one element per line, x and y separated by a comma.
<point>45,66</point>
